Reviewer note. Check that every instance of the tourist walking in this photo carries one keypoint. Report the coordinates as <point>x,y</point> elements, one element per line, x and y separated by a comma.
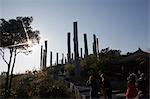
<point>92,81</point>
<point>131,92</point>
<point>142,86</point>
<point>106,86</point>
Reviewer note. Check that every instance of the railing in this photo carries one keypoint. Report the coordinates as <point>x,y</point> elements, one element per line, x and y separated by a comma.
<point>81,92</point>
<point>73,88</point>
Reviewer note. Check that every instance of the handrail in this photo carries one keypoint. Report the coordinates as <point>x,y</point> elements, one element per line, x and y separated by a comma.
<point>73,88</point>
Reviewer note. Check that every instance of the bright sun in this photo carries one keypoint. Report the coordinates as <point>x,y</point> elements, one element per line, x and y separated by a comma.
<point>32,46</point>
<point>30,43</point>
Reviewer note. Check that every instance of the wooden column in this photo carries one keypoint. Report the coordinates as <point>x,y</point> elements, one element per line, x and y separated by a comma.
<point>97,46</point>
<point>56,58</point>
<point>45,55</point>
<point>44,58</point>
<point>81,52</point>
<point>65,60</point>
<point>72,56</point>
<point>76,50</point>
<point>94,45</point>
<point>69,47</point>
<point>51,58</point>
<point>62,61</point>
<point>41,58</point>
<point>85,46</point>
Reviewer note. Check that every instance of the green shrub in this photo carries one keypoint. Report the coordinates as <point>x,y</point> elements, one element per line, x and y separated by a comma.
<point>38,85</point>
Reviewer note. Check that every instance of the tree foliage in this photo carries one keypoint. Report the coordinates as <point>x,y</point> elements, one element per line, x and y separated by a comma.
<point>70,68</point>
<point>17,36</point>
<point>18,31</point>
<point>94,65</point>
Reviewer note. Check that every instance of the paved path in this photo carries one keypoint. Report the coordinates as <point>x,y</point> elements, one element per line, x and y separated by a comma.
<point>85,92</point>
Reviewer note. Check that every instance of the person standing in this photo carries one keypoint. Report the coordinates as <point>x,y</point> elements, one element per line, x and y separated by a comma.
<point>131,92</point>
<point>142,86</point>
<point>92,81</point>
<point>106,86</point>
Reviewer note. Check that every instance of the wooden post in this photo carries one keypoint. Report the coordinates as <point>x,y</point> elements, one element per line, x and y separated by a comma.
<point>56,58</point>
<point>94,45</point>
<point>41,58</point>
<point>69,47</point>
<point>97,47</point>
<point>45,55</point>
<point>51,58</point>
<point>72,56</point>
<point>76,50</point>
<point>62,61</point>
<point>65,60</point>
<point>81,53</point>
<point>85,46</point>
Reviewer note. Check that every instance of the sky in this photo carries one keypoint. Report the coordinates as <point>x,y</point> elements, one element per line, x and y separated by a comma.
<point>118,24</point>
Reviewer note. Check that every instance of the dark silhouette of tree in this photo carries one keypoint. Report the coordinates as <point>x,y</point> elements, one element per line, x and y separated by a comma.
<point>17,36</point>
<point>110,51</point>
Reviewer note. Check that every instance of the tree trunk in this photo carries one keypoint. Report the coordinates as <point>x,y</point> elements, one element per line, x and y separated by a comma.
<point>10,83</point>
<point>7,76</point>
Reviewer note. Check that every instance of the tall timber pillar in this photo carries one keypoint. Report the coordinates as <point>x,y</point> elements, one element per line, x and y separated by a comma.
<point>56,58</point>
<point>81,53</point>
<point>45,55</point>
<point>65,60</point>
<point>76,50</point>
<point>72,56</point>
<point>97,44</point>
<point>44,58</point>
<point>51,58</point>
<point>85,45</point>
<point>62,60</point>
<point>69,47</point>
<point>94,45</point>
<point>41,58</point>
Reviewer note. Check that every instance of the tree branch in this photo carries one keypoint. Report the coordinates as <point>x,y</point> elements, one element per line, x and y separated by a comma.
<point>2,54</point>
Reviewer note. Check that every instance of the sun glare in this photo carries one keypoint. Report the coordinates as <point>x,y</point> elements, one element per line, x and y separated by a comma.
<point>32,46</point>
<point>29,43</point>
